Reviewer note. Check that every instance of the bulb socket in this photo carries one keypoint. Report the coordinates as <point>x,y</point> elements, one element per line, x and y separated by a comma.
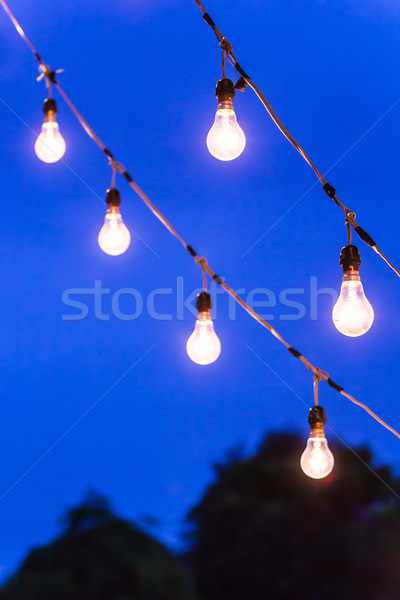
<point>203,302</point>
<point>113,198</point>
<point>49,109</point>
<point>350,259</point>
<point>225,92</point>
<point>317,419</point>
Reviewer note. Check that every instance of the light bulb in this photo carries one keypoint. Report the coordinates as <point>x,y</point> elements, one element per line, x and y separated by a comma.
<point>114,237</point>
<point>50,145</point>
<point>203,346</point>
<point>352,314</point>
<point>317,460</point>
<point>226,139</point>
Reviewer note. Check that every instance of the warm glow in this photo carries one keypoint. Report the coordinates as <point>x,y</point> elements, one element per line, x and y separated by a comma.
<point>203,346</point>
<point>114,236</point>
<point>317,460</point>
<point>50,145</point>
<point>352,314</point>
<point>226,139</point>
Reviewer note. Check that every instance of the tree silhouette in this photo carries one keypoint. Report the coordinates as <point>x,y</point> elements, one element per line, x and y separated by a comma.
<point>99,557</point>
<point>264,530</point>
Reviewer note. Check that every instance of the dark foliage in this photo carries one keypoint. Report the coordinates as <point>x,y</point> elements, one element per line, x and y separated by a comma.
<point>264,530</point>
<point>99,557</point>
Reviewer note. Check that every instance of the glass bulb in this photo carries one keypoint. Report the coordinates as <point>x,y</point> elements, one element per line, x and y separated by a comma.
<point>352,314</point>
<point>226,139</point>
<point>203,346</point>
<point>114,237</point>
<point>50,145</point>
<point>317,460</point>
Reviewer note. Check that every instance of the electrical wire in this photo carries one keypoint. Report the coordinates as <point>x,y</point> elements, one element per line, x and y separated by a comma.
<point>317,379</point>
<point>329,190</point>
<point>201,261</point>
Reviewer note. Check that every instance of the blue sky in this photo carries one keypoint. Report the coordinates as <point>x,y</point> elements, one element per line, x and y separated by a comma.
<point>143,74</point>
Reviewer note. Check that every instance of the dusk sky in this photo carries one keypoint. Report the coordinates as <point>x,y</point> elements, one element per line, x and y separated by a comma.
<point>143,74</point>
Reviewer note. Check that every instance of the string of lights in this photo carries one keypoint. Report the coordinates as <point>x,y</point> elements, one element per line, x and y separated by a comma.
<point>245,80</point>
<point>203,346</point>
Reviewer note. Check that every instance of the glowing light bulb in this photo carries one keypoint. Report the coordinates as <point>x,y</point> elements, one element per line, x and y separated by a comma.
<point>114,237</point>
<point>50,145</point>
<point>317,460</point>
<point>203,346</point>
<point>226,139</point>
<point>352,314</point>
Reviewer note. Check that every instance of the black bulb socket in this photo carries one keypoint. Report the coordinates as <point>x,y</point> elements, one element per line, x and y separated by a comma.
<point>49,109</point>
<point>350,258</point>
<point>113,198</point>
<point>316,417</point>
<point>49,105</point>
<point>225,90</point>
<point>203,302</point>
